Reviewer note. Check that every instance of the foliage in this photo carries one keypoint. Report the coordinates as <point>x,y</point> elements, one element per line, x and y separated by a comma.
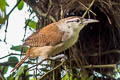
<point>32,24</point>
<point>18,48</point>
<point>20,5</point>
<point>4,69</point>
<point>19,72</point>
<point>3,5</point>
<point>66,77</point>
<point>13,59</point>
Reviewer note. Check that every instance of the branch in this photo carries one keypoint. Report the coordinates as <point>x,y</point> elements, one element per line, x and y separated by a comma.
<point>44,14</point>
<point>6,27</point>
<point>105,53</point>
<point>10,55</point>
<point>14,7</point>
<point>1,76</point>
<point>25,27</point>
<point>39,63</point>
<point>100,66</point>
<point>12,63</point>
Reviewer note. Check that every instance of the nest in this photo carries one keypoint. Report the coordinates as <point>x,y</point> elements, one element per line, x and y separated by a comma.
<point>98,43</point>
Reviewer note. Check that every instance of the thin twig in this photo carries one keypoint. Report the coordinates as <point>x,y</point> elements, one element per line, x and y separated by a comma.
<point>67,72</point>
<point>14,7</point>
<point>6,31</point>
<point>51,70</point>
<point>88,8</point>
<point>25,29</point>
<point>36,69</point>
<point>8,19</point>
<point>11,55</point>
<point>10,63</point>
<point>105,53</point>
<point>61,10</point>
<point>38,63</point>
<point>49,7</point>
<point>100,66</point>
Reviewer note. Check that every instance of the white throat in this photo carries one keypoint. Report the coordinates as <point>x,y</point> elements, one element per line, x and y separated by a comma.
<point>68,31</point>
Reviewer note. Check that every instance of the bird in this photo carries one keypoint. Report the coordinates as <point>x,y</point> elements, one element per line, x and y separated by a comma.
<point>54,38</point>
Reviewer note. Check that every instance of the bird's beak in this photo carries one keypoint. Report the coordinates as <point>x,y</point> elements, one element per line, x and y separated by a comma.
<point>86,21</point>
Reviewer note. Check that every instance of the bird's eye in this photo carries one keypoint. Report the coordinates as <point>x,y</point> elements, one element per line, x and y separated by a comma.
<point>77,20</point>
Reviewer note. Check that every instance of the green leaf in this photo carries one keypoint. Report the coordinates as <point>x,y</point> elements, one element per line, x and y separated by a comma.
<point>33,79</point>
<point>10,78</point>
<point>32,24</point>
<point>83,78</point>
<point>0,68</point>
<point>91,77</point>
<point>3,5</point>
<point>27,72</point>
<point>20,5</point>
<point>75,79</point>
<point>17,78</point>
<point>13,59</point>
<point>20,71</point>
<point>18,48</point>
<point>3,17</point>
<point>65,77</point>
<point>71,78</point>
<point>5,70</point>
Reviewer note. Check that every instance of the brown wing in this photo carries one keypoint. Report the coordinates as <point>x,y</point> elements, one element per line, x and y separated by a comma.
<point>49,35</point>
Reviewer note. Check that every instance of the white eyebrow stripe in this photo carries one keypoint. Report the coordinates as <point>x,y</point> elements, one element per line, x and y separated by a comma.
<point>73,19</point>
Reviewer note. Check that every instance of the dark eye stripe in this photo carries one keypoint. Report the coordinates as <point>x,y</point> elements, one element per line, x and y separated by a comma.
<point>69,21</point>
<point>74,21</point>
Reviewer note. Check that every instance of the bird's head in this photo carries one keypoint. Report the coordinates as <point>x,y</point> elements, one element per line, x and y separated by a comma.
<point>76,22</point>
